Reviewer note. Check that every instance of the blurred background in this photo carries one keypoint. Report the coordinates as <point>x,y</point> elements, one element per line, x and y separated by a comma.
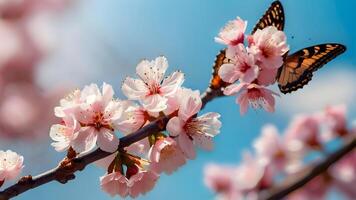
<point>50,47</point>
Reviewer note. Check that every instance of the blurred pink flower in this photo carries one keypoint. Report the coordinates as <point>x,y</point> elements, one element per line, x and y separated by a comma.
<point>233,33</point>
<point>117,184</point>
<point>303,133</point>
<point>242,66</point>
<point>221,180</point>
<point>152,89</point>
<point>190,130</point>
<point>335,119</point>
<point>11,165</point>
<point>269,45</point>
<point>250,173</point>
<point>255,95</point>
<point>166,156</point>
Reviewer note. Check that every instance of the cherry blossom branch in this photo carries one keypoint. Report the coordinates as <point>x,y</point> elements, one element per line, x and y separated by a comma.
<point>283,191</point>
<point>71,164</point>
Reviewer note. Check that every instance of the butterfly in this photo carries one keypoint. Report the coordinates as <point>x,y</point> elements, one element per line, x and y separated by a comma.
<point>298,68</point>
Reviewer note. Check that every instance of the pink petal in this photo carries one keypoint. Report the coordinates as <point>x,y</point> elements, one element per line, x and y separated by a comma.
<point>175,126</point>
<point>154,103</point>
<point>107,141</point>
<point>172,83</point>
<point>228,73</point>
<point>189,107</point>
<point>234,88</point>
<point>134,89</point>
<point>187,146</point>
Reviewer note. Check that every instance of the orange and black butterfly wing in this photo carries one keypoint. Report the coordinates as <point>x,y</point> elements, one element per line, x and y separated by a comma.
<point>298,68</point>
<point>274,16</point>
<point>216,82</point>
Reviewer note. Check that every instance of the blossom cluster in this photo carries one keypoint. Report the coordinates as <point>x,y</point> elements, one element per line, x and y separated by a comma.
<point>93,117</point>
<point>254,66</point>
<point>11,165</point>
<point>288,155</point>
<point>26,32</point>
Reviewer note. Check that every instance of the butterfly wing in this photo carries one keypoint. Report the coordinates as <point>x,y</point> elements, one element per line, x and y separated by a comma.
<point>274,16</point>
<point>216,82</point>
<point>298,68</point>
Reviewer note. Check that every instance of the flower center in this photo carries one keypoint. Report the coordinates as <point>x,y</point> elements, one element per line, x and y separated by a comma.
<point>154,88</point>
<point>267,50</point>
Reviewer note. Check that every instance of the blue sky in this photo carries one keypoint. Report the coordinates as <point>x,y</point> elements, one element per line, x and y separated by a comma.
<point>112,36</point>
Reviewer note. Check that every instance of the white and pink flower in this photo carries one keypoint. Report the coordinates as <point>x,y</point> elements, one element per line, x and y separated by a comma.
<point>97,113</point>
<point>65,134</point>
<point>191,130</point>
<point>11,165</point>
<point>233,33</point>
<point>269,45</point>
<point>166,156</point>
<point>139,183</point>
<point>242,66</point>
<point>152,90</point>
<point>255,95</point>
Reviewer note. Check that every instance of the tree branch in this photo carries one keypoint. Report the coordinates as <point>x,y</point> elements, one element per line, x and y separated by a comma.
<point>283,191</point>
<point>66,169</point>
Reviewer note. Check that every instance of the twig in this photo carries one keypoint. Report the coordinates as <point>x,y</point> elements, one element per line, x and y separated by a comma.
<point>283,191</point>
<point>66,169</point>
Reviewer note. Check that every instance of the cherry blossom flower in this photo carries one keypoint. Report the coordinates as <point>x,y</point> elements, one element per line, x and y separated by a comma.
<point>269,146</point>
<point>166,156</point>
<point>269,45</point>
<point>65,134</point>
<point>335,119</point>
<point>267,76</point>
<point>249,173</point>
<point>255,95</point>
<point>11,165</point>
<point>190,130</point>
<point>96,112</point>
<point>116,183</point>
<point>302,133</point>
<point>242,66</point>
<point>151,89</point>
<point>132,118</point>
<point>233,32</point>
<point>220,178</point>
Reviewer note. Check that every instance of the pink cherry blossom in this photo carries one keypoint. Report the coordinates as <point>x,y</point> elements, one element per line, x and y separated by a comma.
<point>151,89</point>
<point>335,119</point>
<point>166,156</point>
<point>132,118</point>
<point>233,32</point>
<point>11,165</point>
<point>220,178</point>
<point>114,184</point>
<point>269,146</point>
<point>249,173</point>
<point>255,95</point>
<point>117,184</point>
<point>242,66</point>
<point>302,133</point>
<point>65,134</point>
<point>190,130</point>
<point>97,113</point>
<point>269,45</point>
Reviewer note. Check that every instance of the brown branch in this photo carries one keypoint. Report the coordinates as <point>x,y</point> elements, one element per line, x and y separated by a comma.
<point>66,169</point>
<point>320,168</point>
